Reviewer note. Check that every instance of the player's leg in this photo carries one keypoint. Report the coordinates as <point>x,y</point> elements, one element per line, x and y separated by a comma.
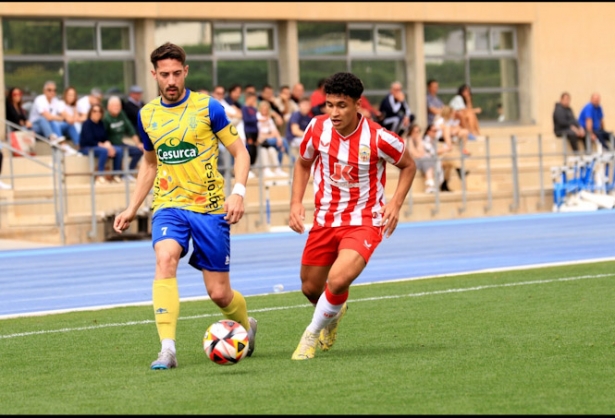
<point>170,237</point>
<point>212,255</point>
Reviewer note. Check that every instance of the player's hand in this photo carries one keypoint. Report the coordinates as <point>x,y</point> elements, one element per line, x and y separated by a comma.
<point>390,219</point>
<point>122,220</point>
<point>297,216</point>
<point>233,206</point>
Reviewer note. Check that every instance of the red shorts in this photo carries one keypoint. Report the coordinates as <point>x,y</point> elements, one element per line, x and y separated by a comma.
<point>324,243</point>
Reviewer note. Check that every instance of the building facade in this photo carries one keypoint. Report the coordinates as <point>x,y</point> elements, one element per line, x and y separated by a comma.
<point>517,57</point>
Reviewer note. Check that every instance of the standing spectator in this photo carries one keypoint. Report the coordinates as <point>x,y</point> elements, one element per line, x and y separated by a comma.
<point>317,98</point>
<point>270,140</point>
<point>465,111</point>
<point>276,113</point>
<point>297,93</point>
<point>396,114</point>
<point>118,126</point>
<point>424,155</point>
<point>591,119</point>
<point>84,104</point>
<point>15,112</point>
<point>348,155</point>
<point>250,127</point>
<point>297,124</point>
<point>565,124</point>
<point>45,114</point>
<point>68,110</point>
<point>434,104</point>
<point>94,137</point>
<point>133,104</point>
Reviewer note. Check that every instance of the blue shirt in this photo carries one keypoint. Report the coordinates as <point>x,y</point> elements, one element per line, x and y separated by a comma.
<point>250,122</point>
<point>92,133</point>
<point>593,112</point>
<point>297,117</point>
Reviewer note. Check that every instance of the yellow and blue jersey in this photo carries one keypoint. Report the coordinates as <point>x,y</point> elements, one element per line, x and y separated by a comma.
<point>185,138</point>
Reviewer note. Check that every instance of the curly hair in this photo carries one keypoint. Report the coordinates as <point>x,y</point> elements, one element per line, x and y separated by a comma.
<point>168,50</point>
<point>345,84</point>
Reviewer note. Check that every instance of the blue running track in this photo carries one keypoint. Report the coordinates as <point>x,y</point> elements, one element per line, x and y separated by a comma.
<point>89,276</point>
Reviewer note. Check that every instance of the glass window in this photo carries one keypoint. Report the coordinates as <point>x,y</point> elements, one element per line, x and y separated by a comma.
<point>115,38</point>
<point>81,38</point>
<point>503,40</point>
<point>493,72</point>
<point>30,76</point>
<point>390,40</point>
<point>194,37</point>
<point>201,75</point>
<point>477,40</point>
<point>488,102</point>
<point>31,37</point>
<point>361,40</point>
<point>260,39</point>
<point>444,40</point>
<point>111,77</point>
<point>450,73</point>
<point>228,39</point>
<point>378,74</point>
<point>256,72</point>
<point>314,70</point>
<point>321,38</point>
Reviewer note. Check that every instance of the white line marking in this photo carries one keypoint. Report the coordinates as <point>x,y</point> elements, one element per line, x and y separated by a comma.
<point>305,305</point>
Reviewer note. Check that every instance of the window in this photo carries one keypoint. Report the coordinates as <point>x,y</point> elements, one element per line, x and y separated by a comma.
<point>373,52</point>
<point>81,53</point>
<point>484,57</point>
<point>225,53</point>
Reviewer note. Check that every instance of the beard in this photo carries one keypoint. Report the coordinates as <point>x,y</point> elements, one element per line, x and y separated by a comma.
<point>174,95</point>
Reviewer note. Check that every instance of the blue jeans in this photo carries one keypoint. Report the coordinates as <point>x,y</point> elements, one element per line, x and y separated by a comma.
<point>135,155</point>
<point>284,149</point>
<point>102,154</point>
<point>70,131</point>
<point>45,128</point>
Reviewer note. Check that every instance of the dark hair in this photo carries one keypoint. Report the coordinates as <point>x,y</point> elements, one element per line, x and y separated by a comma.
<point>233,87</point>
<point>66,91</point>
<point>250,94</point>
<point>267,86</point>
<point>412,126</point>
<point>248,86</point>
<point>461,89</point>
<point>321,83</point>
<point>428,129</point>
<point>102,111</point>
<point>9,97</point>
<point>168,51</point>
<point>431,80</point>
<point>305,99</point>
<point>564,94</point>
<point>345,84</point>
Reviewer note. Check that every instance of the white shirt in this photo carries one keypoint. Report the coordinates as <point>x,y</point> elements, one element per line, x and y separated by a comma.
<point>83,105</point>
<point>457,103</point>
<point>41,104</point>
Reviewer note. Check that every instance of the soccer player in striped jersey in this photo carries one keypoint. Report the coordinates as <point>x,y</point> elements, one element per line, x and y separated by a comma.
<point>180,131</point>
<point>346,153</point>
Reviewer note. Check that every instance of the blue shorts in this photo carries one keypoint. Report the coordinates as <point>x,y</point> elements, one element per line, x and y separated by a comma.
<point>211,236</point>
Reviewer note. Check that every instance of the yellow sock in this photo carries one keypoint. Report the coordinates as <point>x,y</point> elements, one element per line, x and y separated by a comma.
<point>165,296</point>
<point>237,310</point>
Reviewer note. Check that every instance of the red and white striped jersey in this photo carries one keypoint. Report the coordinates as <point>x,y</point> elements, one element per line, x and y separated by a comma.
<point>349,172</point>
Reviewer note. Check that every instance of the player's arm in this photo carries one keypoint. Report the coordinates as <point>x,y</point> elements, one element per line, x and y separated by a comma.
<point>390,211</point>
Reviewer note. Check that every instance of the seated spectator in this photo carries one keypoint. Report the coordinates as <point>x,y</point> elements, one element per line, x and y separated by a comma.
<point>423,155</point>
<point>317,98</point>
<point>45,114</point>
<point>297,93</point>
<point>465,111</point>
<point>268,95</point>
<point>591,119</point>
<point>94,137</point>
<point>84,104</point>
<point>15,112</point>
<point>449,130</point>
<point>297,124</point>
<point>437,149</point>
<point>250,127</point>
<point>118,127</point>
<point>285,104</point>
<point>368,110</point>
<point>248,88</point>
<point>396,114</point>
<point>233,109</point>
<point>68,110</point>
<point>434,104</point>
<point>270,141</point>
<point>133,104</point>
<point>566,125</point>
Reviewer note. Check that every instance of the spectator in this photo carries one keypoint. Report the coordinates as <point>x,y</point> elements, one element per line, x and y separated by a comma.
<point>297,124</point>
<point>591,119</point>
<point>250,127</point>
<point>317,98</point>
<point>68,110</point>
<point>285,104</point>
<point>368,110</point>
<point>270,140</point>
<point>297,93</point>
<point>422,152</point>
<point>434,104</point>
<point>233,109</point>
<point>248,88</point>
<point>94,137</point>
<point>396,114</point>
<point>84,104</point>
<point>465,111</point>
<point>133,104</point>
<point>118,127</point>
<point>566,125</point>
<point>449,130</point>
<point>45,114</point>
<point>15,112</point>
<point>436,149</point>
<point>276,113</point>
<point>501,115</point>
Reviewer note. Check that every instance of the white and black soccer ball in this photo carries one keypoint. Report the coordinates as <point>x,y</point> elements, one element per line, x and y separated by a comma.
<point>226,342</point>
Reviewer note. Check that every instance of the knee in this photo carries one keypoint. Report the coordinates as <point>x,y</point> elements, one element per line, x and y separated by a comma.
<point>220,296</point>
<point>166,263</point>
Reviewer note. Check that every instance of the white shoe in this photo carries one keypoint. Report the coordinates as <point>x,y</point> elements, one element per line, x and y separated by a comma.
<point>280,173</point>
<point>131,178</point>
<point>55,140</point>
<point>251,175</point>
<point>268,173</point>
<point>4,186</point>
<point>430,189</point>
<point>101,180</point>
<point>117,179</point>
<point>69,150</point>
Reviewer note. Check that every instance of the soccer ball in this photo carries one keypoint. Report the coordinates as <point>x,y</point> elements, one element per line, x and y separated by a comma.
<point>226,342</point>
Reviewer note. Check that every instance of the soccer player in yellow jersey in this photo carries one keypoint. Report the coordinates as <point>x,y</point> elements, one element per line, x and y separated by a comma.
<point>180,131</point>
